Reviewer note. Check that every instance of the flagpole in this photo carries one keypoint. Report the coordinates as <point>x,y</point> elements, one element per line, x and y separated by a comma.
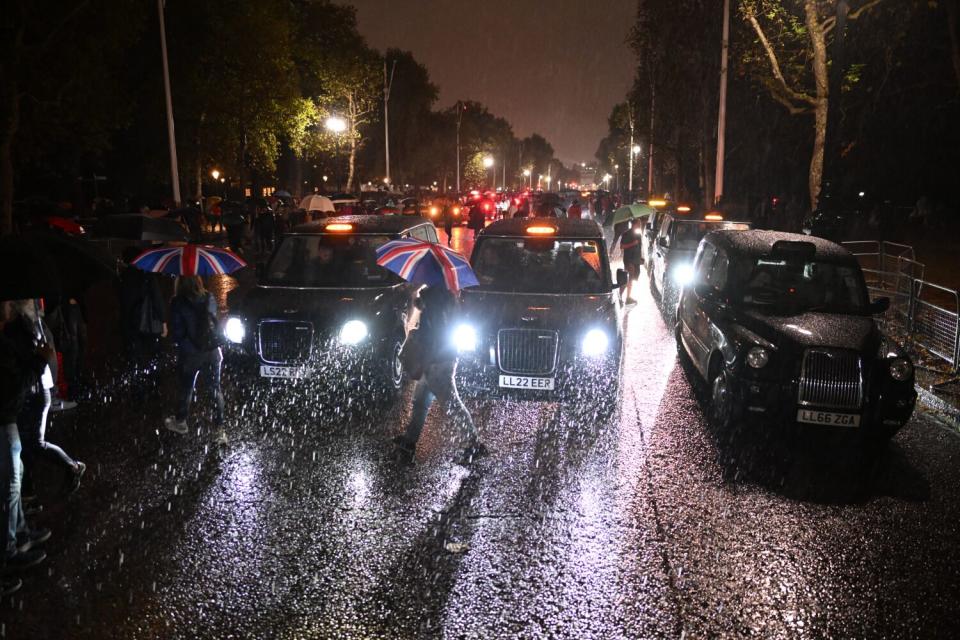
<point>174,172</point>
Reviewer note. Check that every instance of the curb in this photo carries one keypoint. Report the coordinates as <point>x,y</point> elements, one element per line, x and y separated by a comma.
<point>945,411</point>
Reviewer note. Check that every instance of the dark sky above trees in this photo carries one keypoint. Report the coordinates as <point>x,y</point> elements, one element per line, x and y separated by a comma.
<point>554,67</point>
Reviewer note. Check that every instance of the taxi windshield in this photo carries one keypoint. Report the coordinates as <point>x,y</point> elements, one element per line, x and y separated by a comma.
<point>540,265</point>
<point>329,260</point>
<point>791,286</point>
<point>687,234</point>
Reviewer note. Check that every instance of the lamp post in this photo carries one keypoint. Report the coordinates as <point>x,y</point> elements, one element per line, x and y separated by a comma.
<point>337,126</point>
<point>171,135</point>
<point>527,174</point>
<point>215,174</point>
<point>634,151</point>
<point>488,164</point>
<point>616,168</point>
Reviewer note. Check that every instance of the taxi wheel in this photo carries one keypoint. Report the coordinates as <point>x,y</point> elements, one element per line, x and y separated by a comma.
<point>395,366</point>
<point>721,401</point>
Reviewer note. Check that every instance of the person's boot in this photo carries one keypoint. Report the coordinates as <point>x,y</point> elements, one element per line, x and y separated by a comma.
<point>21,560</point>
<point>177,426</point>
<point>404,450</point>
<point>27,540</point>
<point>472,452</point>
<point>73,479</point>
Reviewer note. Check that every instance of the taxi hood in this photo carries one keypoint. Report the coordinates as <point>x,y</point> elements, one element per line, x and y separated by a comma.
<point>814,329</point>
<point>496,310</point>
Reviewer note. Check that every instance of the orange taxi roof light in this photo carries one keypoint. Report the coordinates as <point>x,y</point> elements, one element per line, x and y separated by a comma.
<point>339,226</point>
<point>541,231</point>
<point>713,216</point>
<point>657,203</point>
<point>683,209</point>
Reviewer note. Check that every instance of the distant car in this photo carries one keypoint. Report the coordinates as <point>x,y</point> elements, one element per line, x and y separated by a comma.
<point>322,305</point>
<point>545,321</point>
<point>671,258</point>
<point>780,327</point>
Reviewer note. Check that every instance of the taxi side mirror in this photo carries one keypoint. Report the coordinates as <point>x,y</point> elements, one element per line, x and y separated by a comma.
<point>880,305</point>
<point>622,278</point>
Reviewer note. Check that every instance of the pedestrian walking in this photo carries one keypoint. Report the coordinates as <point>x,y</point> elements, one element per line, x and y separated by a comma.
<point>477,220</point>
<point>632,255</point>
<point>193,326</point>
<point>66,322</point>
<point>575,211</point>
<point>265,225</point>
<point>25,328</point>
<point>448,224</point>
<point>142,309</point>
<point>236,224</point>
<point>436,364</point>
<point>22,362</point>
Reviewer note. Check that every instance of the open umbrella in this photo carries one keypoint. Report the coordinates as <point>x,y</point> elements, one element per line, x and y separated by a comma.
<point>26,271</point>
<point>630,212</point>
<point>189,260</point>
<point>79,262</point>
<point>426,263</point>
<point>316,202</point>
<point>282,194</point>
<point>136,226</point>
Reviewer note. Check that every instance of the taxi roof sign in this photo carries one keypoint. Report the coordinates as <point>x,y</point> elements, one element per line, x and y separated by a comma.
<point>339,226</point>
<point>541,230</point>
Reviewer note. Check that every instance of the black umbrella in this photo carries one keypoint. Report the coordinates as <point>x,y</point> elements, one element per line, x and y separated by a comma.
<point>26,271</point>
<point>80,263</point>
<point>136,226</point>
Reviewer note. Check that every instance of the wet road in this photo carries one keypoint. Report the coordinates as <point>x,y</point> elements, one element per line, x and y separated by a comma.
<point>636,528</point>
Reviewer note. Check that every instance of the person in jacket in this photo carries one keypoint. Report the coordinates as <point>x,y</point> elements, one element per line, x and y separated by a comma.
<point>575,211</point>
<point>632,254</point>
<point>142,309</point>
<point>477,220</point>
<point>67,323</point>
<point>448,223</point>
<point>438,381</point>
<point>25,328</point>
<point>23,361</point>
<point>193,314</point>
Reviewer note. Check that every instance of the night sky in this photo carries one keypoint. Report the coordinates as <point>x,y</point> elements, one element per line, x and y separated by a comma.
<point>555,67</point>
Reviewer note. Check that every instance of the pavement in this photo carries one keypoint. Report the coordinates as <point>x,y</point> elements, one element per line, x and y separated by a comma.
<point>643,526</point>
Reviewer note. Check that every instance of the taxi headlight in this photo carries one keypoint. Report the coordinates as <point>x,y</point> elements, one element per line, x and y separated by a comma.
<point>465,338</point>
<point>683,274</point>
<point>595,342</point>
<point>234,331</point>
<point>758,357</point>
<point>354,332</point>
<point>901,369</point>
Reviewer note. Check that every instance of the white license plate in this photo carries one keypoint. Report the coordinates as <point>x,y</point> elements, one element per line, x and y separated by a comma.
<point>526,382</point>
<point>828,418</point>
<point>273,371</point>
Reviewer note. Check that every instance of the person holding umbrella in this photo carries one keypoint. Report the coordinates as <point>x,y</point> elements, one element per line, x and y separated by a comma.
<point>434,363</point>
<point>193,323</point>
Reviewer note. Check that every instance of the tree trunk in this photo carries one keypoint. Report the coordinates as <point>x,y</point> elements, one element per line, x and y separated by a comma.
<point>821,76</point>
<point>6,156</point>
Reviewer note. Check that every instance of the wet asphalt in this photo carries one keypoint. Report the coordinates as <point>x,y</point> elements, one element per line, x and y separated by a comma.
<point>643,526</point>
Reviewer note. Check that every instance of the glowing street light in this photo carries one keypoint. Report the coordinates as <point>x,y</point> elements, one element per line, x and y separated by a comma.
<point>336,125</point>
<point>636,149</point>
<point>215,174</point>
<point>488,164</point>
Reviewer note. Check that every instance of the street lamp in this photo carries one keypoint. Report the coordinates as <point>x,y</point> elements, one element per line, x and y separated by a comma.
<point>215,174</point>
<point>336,126</point>
<point>528,174</point>
<point>488,164</point>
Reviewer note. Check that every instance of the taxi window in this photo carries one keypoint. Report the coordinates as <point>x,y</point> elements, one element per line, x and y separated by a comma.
<point>420,233</point>
<point>705,261</point>
<point>717,277</point>
<point>329,260</point>
<point>540,265</point>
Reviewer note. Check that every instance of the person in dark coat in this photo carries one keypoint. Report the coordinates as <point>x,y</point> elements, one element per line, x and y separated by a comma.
<point>32,421</point>
<point>23,361</point>
<point>142,309</point>
<point>632,254</point>
<point>69,327</point>
<point>448,223</point>
<point>477,220</point>
<point>193,313</point>
<point>438,381</point>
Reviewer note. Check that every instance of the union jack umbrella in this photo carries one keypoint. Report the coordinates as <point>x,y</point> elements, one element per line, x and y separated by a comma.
<point>189,260</point>
<point>425,263</point>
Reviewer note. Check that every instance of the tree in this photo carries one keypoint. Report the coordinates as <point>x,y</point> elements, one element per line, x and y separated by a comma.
<point>58,85</point>
<point>800,38</point>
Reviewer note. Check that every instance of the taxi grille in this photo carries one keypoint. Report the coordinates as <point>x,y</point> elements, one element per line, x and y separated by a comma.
<point>831,379</point>
<point>285,342</point>
<point>527,351</point>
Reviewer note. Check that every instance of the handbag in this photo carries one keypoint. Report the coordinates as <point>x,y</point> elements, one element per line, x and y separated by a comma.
<point>412,355</point>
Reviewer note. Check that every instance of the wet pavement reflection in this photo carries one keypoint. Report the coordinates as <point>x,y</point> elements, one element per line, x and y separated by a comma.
<point>641,526</point>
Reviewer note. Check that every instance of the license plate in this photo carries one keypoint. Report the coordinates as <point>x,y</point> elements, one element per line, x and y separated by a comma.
<point>273,371</point>
<point>828,418</point>
<point>526,382</point>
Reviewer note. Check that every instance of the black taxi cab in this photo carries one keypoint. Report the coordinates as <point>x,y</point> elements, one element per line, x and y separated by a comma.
<point>544,323</point>
<point>322,305</point>
<point>781,328</point>
<point>671,258</point>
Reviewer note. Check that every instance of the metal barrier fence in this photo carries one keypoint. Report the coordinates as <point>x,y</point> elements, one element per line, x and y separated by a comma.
<point>924,312</point>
